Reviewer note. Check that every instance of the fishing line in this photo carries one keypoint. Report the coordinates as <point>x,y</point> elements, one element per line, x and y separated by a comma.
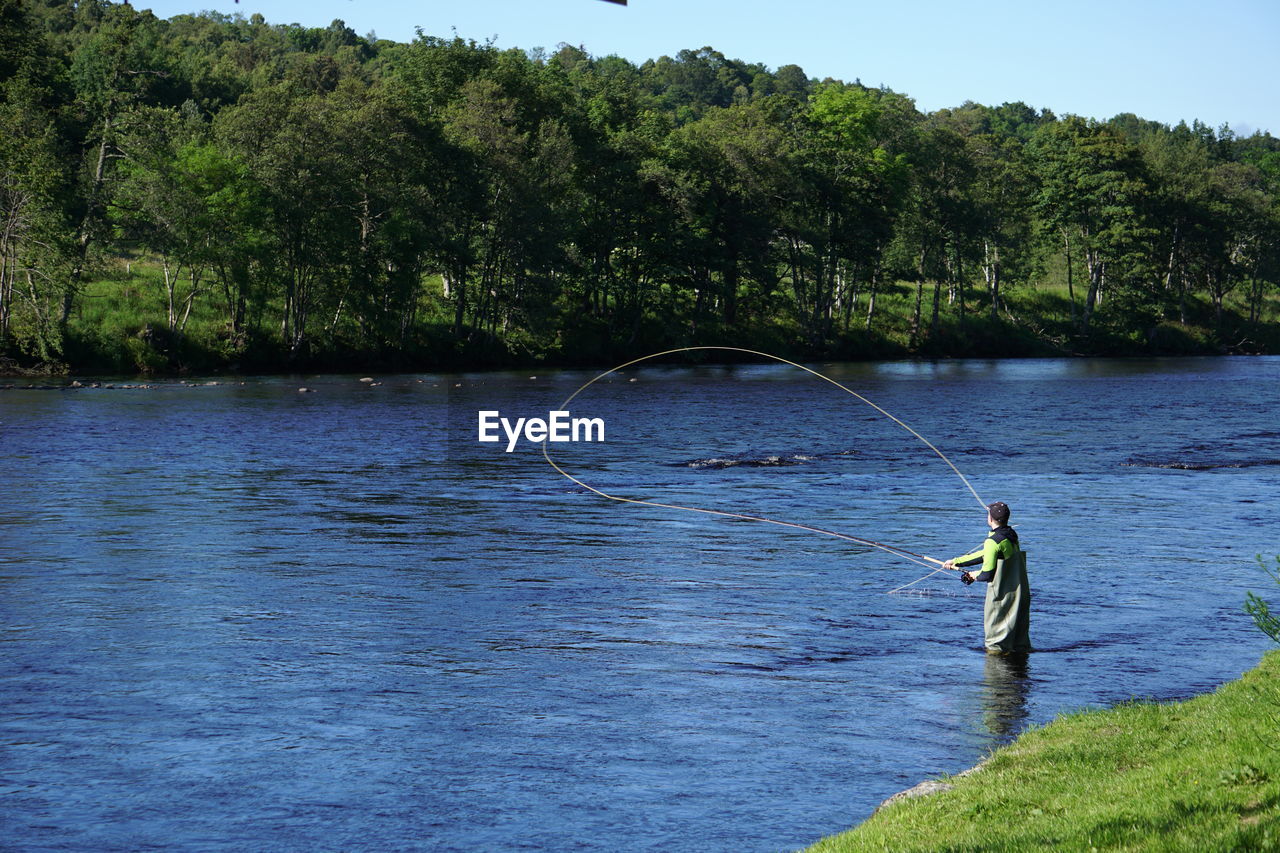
<point>919,559</point>
<point>914,582</point>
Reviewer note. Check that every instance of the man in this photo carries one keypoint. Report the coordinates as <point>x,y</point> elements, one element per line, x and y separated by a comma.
<point>1006,617</point>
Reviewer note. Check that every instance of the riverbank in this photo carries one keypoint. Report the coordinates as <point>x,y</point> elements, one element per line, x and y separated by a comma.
<point>1202,774</point>
<point>130,356</point>
<point>121,327</point>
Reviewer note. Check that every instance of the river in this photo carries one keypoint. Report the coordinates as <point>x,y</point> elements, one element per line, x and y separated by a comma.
<point>238,616</point>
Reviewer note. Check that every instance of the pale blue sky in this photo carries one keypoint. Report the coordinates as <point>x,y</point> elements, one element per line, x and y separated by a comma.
<point>1162,59</point>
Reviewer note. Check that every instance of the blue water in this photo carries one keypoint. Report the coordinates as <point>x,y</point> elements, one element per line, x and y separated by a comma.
<point>241,617</point>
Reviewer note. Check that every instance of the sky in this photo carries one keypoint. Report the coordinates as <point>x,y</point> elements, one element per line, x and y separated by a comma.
<point>1169,61</point>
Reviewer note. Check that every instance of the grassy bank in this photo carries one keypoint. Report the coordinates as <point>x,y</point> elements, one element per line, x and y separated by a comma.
<point>1198,775</point>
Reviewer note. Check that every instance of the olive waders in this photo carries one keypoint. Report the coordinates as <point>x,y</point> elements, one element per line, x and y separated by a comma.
<point>1006,617</point>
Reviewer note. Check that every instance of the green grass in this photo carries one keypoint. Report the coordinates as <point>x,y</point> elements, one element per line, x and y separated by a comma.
<point>1199,775</point>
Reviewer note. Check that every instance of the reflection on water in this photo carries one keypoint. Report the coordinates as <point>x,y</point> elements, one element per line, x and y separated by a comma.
<point>1005,686</point>
<point>237,617</point>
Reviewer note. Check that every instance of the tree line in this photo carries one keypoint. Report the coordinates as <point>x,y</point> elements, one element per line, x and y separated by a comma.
<point>297,196</point>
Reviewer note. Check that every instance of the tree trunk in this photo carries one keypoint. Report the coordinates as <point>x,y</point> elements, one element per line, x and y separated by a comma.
<point>1218,289</point>
<point>1096,269</point>
<point>937,298</point>
<point>84,235</point>
<point>1182,298</point>
<point>170,288</point>
<point>1172,264</point>
<point>8,268</point>
<point>871,298</point>
<point>190,301</point>
<point>1255,291</point>
<point>233,289</point>
<point>991,272</point>
<point>951,276</point>
<point>915,315</point>
<point>459,292</point>
<point>1071,292</point>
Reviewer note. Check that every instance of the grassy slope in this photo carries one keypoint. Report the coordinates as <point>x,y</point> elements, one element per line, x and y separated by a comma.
<point>1199,775</point>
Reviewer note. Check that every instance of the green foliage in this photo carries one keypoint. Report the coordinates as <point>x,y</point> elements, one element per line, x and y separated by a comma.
<point>1257,608</point>
<point>305,196</point>
<point>1245,774</point>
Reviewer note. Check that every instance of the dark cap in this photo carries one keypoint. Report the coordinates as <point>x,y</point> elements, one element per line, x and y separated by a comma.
<point>999,511</point>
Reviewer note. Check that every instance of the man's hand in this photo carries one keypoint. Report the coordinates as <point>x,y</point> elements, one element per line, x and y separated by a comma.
<point>949,565</point>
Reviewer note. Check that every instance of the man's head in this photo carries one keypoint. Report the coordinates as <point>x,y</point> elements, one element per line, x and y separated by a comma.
<point>998,513</point>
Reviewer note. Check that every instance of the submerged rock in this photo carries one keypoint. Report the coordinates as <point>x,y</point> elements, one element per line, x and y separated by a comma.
<point>930,786</point>
<point>925,788</point>
<point>771,461</point>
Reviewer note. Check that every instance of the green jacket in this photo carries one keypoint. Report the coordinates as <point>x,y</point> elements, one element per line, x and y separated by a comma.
<point>1000,544</point>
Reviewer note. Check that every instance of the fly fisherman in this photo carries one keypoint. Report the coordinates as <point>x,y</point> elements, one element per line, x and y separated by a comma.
<point>1006,618</point>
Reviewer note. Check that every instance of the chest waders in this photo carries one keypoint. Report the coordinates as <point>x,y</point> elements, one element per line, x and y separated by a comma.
<point>1006,616</point>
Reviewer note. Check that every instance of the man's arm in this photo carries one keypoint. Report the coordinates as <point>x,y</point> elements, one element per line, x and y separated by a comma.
<point>988,556</point>
<point>971,559</point>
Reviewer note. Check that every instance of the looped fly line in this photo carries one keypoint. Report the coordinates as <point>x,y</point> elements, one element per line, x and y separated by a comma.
<point>919,559</point>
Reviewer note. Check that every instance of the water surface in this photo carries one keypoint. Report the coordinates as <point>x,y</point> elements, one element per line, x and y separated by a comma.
<point>241,616</point>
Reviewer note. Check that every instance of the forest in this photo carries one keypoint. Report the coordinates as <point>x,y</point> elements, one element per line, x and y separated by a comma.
<point>212,192</point>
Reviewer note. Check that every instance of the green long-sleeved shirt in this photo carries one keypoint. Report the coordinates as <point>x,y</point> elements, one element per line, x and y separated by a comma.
<point>1000,543</point>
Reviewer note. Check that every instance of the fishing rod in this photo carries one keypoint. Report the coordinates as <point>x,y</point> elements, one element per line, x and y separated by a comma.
<point>919,559</point>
